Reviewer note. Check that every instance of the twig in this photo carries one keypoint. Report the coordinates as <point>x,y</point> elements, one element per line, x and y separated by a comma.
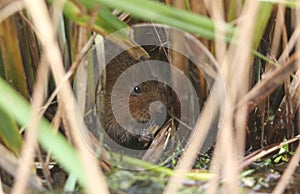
<point>269,83</point>
<point>265,151</point>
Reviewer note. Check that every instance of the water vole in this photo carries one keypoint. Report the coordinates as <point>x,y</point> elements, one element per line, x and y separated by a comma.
<point>131,101</point>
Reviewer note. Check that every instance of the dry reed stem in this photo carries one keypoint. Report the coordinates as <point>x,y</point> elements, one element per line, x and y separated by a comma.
<point>68,75</point>
<point>55,123</point>
<point>235,71</point>
<point>30,144</point>
<point>280,21</point>
<point>290,45</point>
<point>198,7</point>
<point>288,105</point>
<point>215,8</point>
<point>238,87</point>
<point>289,171</point>
<point>10,7</point>
<point>196,140</point>
<point>265,151</point>
<point>95,180</point>
<point>1,190</point>
<point>296,81</point>
<point>268,84</point>
<point>231,67</point>
<point>215,169</point>
<point>57,13</point>
<point>278,30</point>
<point>217,13</point>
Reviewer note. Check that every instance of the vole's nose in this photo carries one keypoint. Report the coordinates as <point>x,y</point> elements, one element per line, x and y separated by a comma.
<point>158,112</point>
<point>157,107</point>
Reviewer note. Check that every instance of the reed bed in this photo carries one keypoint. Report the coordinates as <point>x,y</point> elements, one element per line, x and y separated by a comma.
<point>256,50</point>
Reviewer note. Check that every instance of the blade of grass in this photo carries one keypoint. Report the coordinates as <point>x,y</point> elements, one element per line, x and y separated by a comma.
<point>288,3</point>
<point>55,143</point>
<point>9,133</point>
<point>127,160</point>
<point>70,185</point>
<point>184,20</point>
<point>263,16</point>
<point>158,12</point>
<point>105,23</point>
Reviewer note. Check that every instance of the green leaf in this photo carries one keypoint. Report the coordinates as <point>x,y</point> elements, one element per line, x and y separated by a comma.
<point>15,105</point>
<point>288,3</point>
<point>105,23</point>
<point>263,16</point>
<point>161,13</point>
<point>70,185</point>
<point>9,132</point>
<point>277,159</point>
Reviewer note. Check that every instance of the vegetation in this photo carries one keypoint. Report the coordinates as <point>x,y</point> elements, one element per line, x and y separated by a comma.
<point>255,44</point>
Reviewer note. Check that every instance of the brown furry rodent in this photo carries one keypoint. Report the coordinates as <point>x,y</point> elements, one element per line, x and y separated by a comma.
<point>129,105</point>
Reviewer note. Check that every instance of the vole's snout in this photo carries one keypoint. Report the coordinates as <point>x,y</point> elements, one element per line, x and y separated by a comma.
<point>158,112</point>
<point>158,107</point>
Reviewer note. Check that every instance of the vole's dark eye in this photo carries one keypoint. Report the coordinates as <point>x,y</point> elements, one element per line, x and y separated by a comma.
<point>137,90</point>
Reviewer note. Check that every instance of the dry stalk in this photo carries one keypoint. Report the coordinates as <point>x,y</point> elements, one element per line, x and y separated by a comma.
<point>268,84</point>
<point>290,45</point>
<point>289,171</point>
<point>1,190</point>
<point>287,105</point>
<point>38,10</point>
<point>30,144</point>
<point>230,69</point>
<point>278,29</point>
<point>9,7</point>
<point>235,72</point>
<point>215,9</point>
<point>265,151</point>
<point>196,140</point>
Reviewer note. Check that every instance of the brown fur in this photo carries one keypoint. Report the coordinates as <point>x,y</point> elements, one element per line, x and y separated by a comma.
<point>139,104</point>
